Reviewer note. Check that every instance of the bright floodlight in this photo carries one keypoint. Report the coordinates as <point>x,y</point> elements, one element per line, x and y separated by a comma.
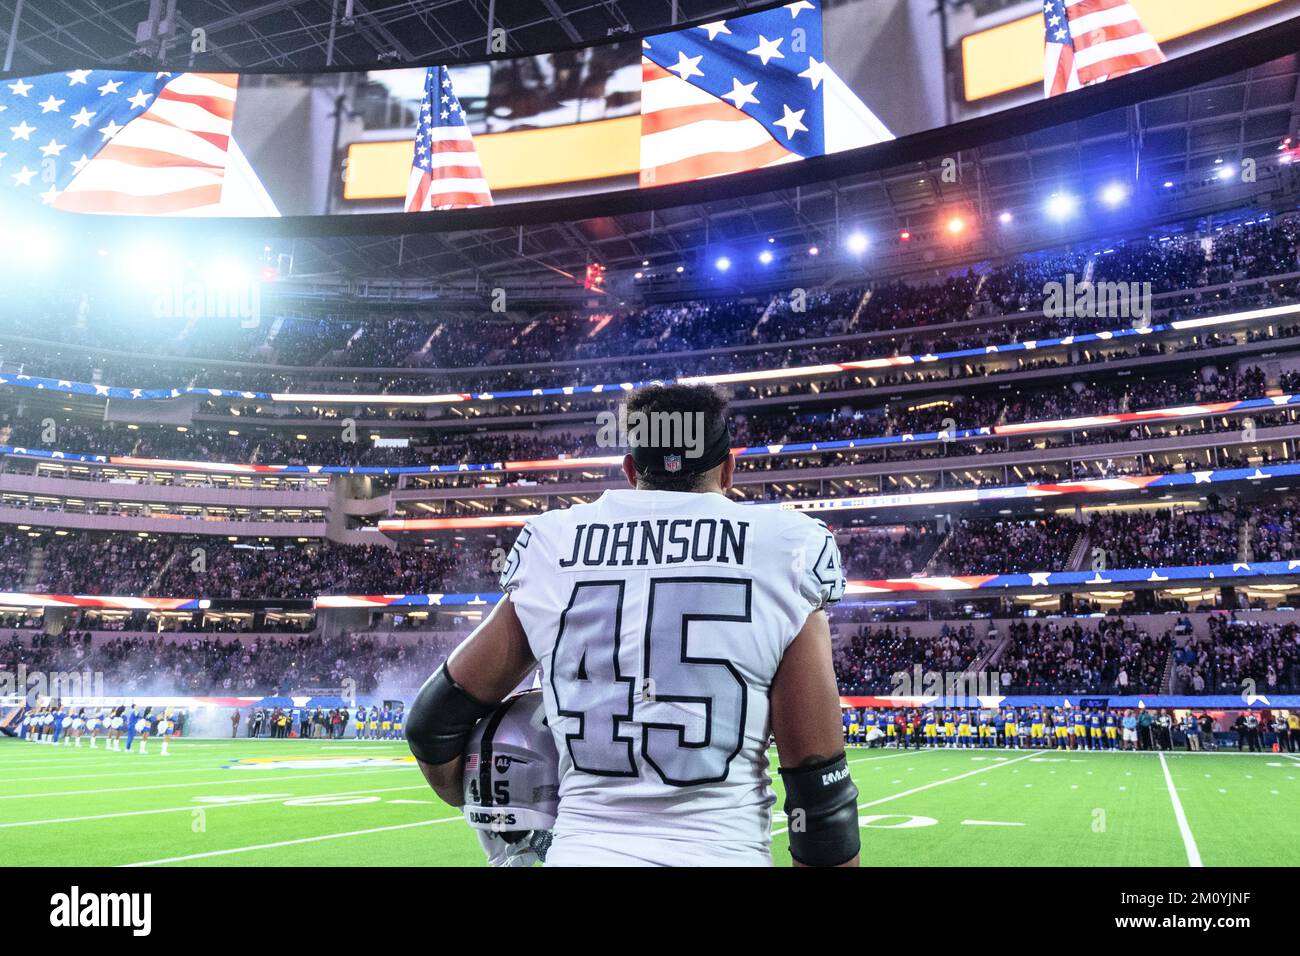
<point>857,243</point>
<point>1061,205</point>
<point>149,262</point>
<point>956,224</point>
<point>814,251</point>
<point>35,247</point>
<point>1227,172</point>
<point>766,257</point>
<point>722,264</point>
<point>1004,218</point>
<point>227,272</point>
<point>1113,194</point>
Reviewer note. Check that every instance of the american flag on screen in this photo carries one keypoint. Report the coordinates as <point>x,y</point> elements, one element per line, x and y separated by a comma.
<point>445,170</point>
<point>1091,41</point>
<point>108,141</point>
<point>742,94</point>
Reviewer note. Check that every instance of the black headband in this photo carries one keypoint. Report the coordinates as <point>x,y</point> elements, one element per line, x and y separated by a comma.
<point>659,461</point>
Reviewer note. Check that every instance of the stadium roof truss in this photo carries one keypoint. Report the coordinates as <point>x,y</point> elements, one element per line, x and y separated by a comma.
<point>309,34</point>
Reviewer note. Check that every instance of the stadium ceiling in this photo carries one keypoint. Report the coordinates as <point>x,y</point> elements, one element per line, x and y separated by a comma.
<point>1184,138</point>
<point>310,34</point>
<point>1187,139</point>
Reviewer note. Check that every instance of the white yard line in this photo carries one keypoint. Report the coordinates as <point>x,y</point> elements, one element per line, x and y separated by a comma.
<point>1189,841</point>
<point>301,840</point>
<point>207,806</point>
<point>929,786</point>
<point>263,775</point>
<point>905,753</point>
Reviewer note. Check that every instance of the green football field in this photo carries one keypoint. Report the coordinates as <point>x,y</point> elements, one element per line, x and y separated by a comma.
<point>349,803</point>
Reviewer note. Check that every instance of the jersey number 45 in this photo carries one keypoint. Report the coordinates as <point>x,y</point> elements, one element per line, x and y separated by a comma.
<point>590,685</point>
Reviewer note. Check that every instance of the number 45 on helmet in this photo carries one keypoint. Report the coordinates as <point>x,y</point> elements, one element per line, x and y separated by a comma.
<point>512,781</point>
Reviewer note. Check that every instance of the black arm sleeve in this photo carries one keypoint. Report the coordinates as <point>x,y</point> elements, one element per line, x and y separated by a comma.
<point>821,807</point>
<point>442,718</point>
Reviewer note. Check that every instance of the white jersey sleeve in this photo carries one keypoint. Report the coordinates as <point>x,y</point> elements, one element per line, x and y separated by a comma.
<point>822,581</point>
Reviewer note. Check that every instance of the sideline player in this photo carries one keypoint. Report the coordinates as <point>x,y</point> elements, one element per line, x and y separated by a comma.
<point>677,632</point>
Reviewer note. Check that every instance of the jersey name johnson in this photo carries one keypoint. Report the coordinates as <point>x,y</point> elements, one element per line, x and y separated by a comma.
<point>661,541</point>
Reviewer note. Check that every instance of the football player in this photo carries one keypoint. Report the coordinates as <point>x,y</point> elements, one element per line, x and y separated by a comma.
<point>963,730</point>
<point>1010,729</point>
<point>677,632</point>
<point>1062,728</point>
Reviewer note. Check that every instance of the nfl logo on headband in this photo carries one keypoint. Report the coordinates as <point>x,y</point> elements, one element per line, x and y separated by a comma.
<point>672,463</point>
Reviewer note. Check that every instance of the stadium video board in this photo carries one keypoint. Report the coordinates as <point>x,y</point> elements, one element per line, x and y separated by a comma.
<point>768,88</point>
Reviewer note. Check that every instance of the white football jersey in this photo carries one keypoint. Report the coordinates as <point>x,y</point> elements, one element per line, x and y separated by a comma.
<point>659,619</point>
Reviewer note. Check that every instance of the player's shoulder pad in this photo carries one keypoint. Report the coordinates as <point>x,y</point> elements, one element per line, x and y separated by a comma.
<point>532,539</point>
<point>816,559</point>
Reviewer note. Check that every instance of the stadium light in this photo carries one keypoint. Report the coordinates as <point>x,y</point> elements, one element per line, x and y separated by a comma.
<point>814,251</point>
<point>227,272</point>
<point>1114,194</point>
<point>857,243</point>
<point>1169,184</point>
<point>1062,205</point>
<point>681,269</point>
<point>1227,172</point>
<point>722,264</point>
<point>905,236</point>
<point>1005,218</point>
<point>35,247</point>
<point>639,275</point>
<point>955,225</point>
<point>766,257</point>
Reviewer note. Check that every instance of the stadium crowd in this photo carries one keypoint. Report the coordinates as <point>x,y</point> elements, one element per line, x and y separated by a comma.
<point>647,342</point>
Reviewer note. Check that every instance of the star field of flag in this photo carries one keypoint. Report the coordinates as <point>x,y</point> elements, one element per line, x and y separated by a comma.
<point>439,108</point>
<point>445,169</point>
<point>1091,41</point>
<point>53,125</point>
<point>769,65</point>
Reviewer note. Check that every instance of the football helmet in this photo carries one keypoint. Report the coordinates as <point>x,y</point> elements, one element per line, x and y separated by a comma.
<point>512,780</point>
